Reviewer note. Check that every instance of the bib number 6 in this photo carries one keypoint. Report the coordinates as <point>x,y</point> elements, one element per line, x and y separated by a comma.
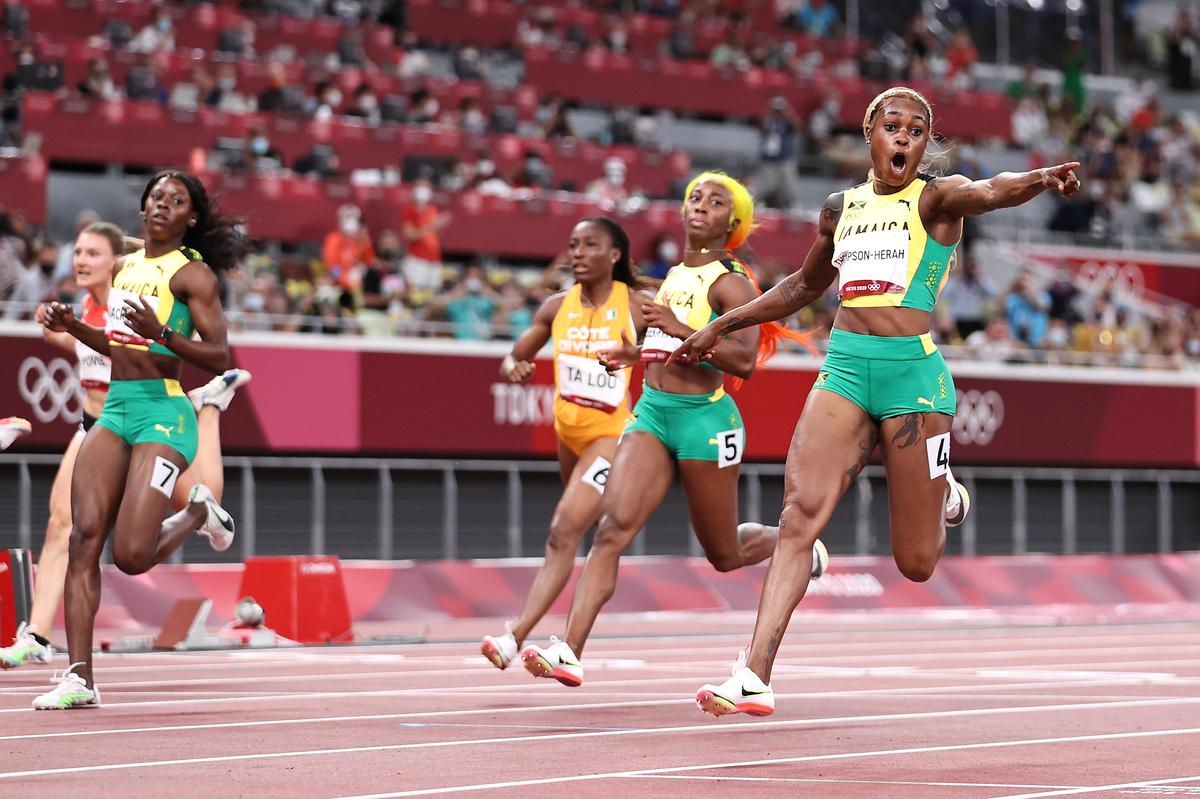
<point>730,446</point>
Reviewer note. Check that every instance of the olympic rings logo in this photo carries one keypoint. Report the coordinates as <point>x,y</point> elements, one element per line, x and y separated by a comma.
<point>979,416</point>
<point>52,391</point>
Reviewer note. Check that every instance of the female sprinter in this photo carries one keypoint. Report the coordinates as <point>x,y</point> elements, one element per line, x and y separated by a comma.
<point>97,250</point>
<point>129,463</point>
<point>591,405</point>
<point>684,419</point>
<point>890,244</point>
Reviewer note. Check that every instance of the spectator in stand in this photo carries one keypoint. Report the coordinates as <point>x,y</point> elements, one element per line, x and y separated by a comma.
<point>815,17</point>
<point>422,224</point>
<point>158,36</point>
<point>995,342</point>
<point>365,105</point>
<point>423,107</point>
<point>34,285</point>
<point>609,191</point>
<point>144,81</point>
<point>538,29</point>
<point>238,41</point>
<point>1182,42</point>
<point>272,98</point>
<point>321,161</point>
<point>411,61</point>
<point>730,54</point>
<point>622,127</point>
<point>347,251</point>
<point>326,102</point>
<point>1029,123</point>
<point>534,173</point>
<point>12,254</point>
<point>260,154</point>
<point>1074,64</point>
<point>1063,294</point>
<point>616,37</point>
<point>553,120</point>
<point>777,179</point>
<point>961,57</point>
<point>681,43</point>
<point>666,255</point>
<point>98,84</point>
<point>921,45</point>
<point>487,181</point>
<point>1180,221</point>
<point>191,94</point>
<point>225,95</point>
<point>1024,86</point>
<point>513,312</point>
<point>470,118</point>
<point>967,298</point>
<point>468,65</point>
<point>381,287</point>
<point>469,306</point>
<point>1027,309</point>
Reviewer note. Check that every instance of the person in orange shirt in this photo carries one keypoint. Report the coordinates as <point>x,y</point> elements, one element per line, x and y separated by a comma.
<point>422,224</point>
<point>348,250</point>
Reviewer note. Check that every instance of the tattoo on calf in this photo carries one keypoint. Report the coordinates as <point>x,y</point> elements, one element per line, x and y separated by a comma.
<point>773,644</point>
<point>909,432</point>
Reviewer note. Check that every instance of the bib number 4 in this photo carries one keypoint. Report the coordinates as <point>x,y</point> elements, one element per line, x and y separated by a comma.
<point>938,450</point>
<point>730,446</point>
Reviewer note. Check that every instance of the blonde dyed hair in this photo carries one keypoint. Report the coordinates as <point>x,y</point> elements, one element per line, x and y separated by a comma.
<point>743,205</point>
<point>887,94</point>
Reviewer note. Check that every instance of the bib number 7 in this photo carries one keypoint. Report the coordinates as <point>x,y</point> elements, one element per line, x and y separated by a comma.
<point>731,444</point>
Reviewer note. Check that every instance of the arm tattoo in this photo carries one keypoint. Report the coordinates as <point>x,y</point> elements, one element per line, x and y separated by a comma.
<point>738,322</point>
<point>909,432</point>
<point>792,288</point>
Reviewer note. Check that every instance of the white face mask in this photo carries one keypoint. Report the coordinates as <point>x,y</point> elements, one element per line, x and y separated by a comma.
<point>485,168</point>
<point>333,99</point>
<point>473,285</point>
<point>668,251</point>
<point>422,195</point>
<point>368,103</point>
<point>350,226</point>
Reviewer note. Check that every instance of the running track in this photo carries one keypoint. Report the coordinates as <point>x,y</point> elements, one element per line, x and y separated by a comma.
<point>916,706</point>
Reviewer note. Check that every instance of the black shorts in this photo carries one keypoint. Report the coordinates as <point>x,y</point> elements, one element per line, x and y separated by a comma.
<point>85,424</point>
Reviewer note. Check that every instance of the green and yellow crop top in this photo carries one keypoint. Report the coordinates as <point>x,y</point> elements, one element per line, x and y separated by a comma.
<point>685,291</point>
<point>883,254</point>
<point>149,278</point>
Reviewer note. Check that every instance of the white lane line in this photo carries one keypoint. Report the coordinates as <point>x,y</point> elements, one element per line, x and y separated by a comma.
<point>731,778</point>
<point>724,728</point>
<point>784,760</point>
<point>672,699</point>
<point>1095,789</point>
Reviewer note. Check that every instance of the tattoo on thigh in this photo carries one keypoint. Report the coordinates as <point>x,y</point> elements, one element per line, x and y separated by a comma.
<point>909,432</point>
<point>865,447</point>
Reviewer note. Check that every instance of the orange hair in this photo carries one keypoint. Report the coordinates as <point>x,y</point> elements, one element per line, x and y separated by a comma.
<point>743,212</point>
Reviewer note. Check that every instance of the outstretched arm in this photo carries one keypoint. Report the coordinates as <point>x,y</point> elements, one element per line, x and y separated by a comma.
<point>954,197</point>
<point>794,292</point>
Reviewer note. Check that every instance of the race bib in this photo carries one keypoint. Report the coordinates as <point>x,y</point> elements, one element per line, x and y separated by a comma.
<point>937,449</point>
<point>163,478</point>
<point>117,327</point>
<point>597,474</point>
<point>657,346</point>
<point>872,263</point>
<point>730,446</point>
<point>583,381</point>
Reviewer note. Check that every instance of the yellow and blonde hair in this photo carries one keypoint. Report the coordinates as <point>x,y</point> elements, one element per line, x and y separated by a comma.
<point>887,94</point>
<point>743,205</point>
<point>743,215</point>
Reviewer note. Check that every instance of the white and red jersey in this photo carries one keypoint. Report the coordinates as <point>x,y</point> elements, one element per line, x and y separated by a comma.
<point>95,370</point>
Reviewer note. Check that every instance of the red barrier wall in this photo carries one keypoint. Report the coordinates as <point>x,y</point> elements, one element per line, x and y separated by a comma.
<point>428,397</point>
<point>397,591</point>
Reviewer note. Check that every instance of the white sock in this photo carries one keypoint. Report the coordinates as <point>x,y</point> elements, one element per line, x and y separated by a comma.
<point>9,434</point>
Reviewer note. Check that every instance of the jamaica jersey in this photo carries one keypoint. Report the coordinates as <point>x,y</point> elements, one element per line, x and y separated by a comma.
<point>580,335</point>
<point>149,278</point>
<point>883,253</point>
<point>685,291</point>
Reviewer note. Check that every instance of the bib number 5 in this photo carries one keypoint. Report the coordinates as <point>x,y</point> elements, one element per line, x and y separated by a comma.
<point>731,444</point>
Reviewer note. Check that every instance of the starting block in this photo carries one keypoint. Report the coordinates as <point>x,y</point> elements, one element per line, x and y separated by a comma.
<point>185,628</point>
<point>303,597</point>
<point>16,591</point>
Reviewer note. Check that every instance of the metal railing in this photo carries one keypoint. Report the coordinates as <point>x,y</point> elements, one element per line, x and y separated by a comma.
<point>1018,510</point>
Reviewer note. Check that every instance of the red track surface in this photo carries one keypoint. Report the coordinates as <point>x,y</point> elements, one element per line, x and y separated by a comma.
<point>877,706</point>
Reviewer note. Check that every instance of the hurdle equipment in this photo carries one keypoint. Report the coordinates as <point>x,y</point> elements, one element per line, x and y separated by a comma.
<point>16,592</point>
<point>303,596</point>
